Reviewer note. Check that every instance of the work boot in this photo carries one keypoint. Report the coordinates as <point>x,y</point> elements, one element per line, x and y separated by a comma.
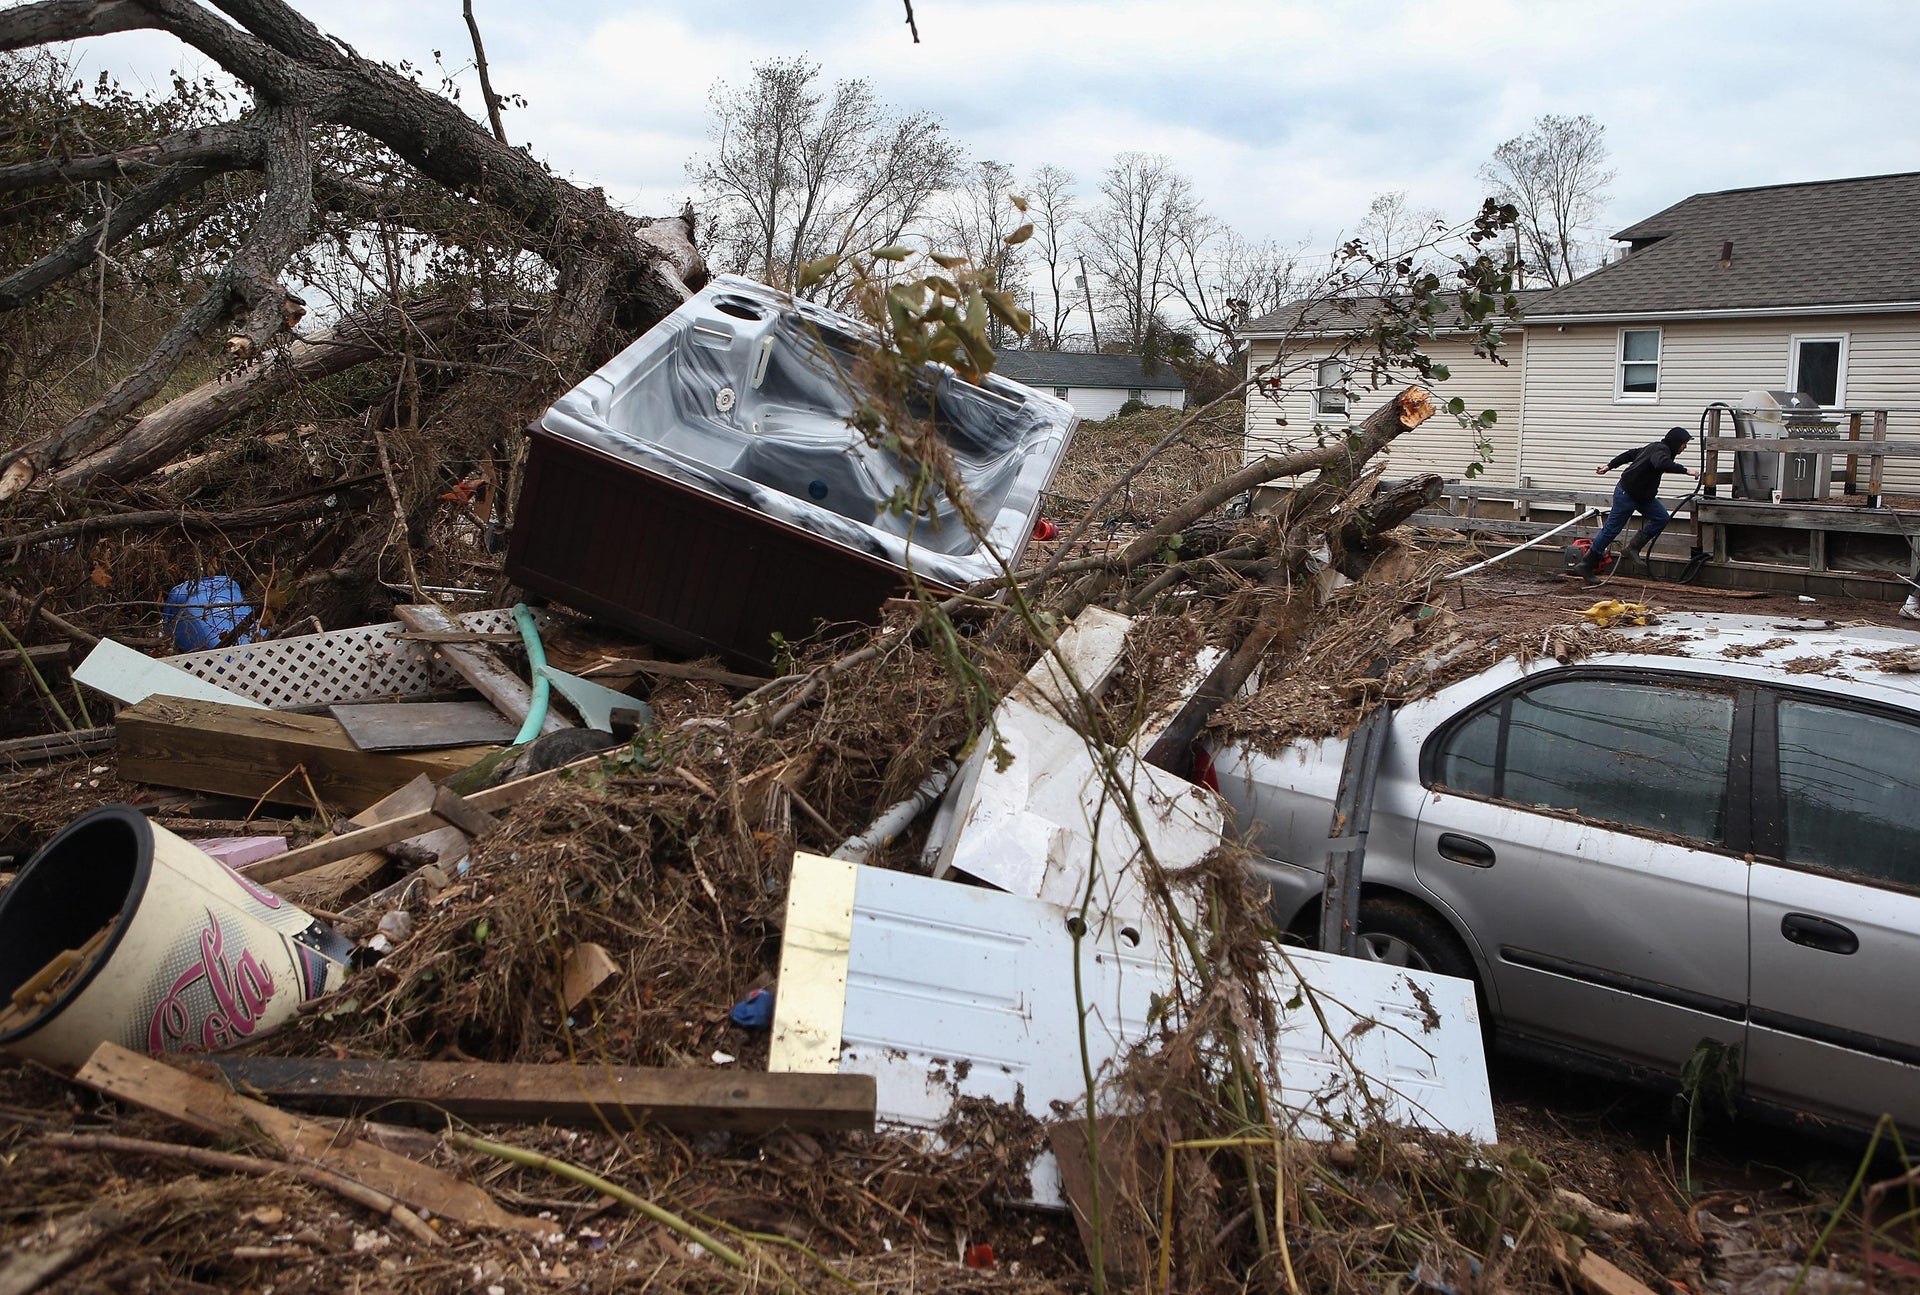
<point>1589,576</point>
<point>1634,547</point>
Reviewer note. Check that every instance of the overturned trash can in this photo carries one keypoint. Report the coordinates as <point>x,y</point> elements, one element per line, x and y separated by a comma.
<point>705,489</point>
<point>120,931</point>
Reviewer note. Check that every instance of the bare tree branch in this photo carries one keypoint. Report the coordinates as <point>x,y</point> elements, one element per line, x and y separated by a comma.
<point>43,23</point>
<point>486,80</point>
<point>77,253</point>
<point>230,145</point>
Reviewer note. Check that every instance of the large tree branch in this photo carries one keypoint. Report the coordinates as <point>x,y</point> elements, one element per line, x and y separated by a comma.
<point>56,20</point>
<point>170,429</point>
<point>272,75</point>
<point>226,145</point>
<point>133,211</point>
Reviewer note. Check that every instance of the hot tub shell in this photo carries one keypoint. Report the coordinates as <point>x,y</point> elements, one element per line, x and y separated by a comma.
<point>705,489</point>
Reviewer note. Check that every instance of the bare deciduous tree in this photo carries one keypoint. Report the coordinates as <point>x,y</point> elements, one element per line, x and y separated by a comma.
<point>1556,176</point>
<point>1130,241</point>
<point>975,219</point>
<point>271,173</point>
<point>1225,280</point>
<point>799,173</point>
<point>1055,212</point>
<point>1393,229</point>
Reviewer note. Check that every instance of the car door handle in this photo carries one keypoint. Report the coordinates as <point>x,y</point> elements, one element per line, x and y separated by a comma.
<point>1819,933</point>
<point>1464,849</point>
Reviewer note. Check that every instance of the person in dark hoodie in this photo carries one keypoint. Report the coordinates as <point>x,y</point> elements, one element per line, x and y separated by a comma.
<point>1638,491</point>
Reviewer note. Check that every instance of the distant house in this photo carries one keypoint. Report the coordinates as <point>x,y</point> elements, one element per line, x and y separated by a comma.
<point>1809,287</point>
<point>1095,385</point>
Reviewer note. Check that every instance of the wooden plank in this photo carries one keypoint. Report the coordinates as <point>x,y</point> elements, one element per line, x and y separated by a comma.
<point>1853,460</point>
<point>1705,591</point>
<point>422,725</point>
<point>40,654</point>
<point>1875,465</point>
<point>1875,446</point>
<point>213,1108</point>
<point>130,677</point>
<point>586,1096</point>
<point>206,746</point>
<point>477,665</point>
<point>56,746</point>
<point>445,843</point>
<point>462,813</point>
<point>399,829</point>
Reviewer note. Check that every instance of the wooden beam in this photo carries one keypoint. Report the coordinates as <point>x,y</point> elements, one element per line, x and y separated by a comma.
<point>213,1108</point>
<point>584,1096</point>
<point>206,746</point>
<point>478,665</point>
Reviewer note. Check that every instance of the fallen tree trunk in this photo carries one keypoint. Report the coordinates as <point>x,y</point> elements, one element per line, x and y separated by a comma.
<point>153,441</point>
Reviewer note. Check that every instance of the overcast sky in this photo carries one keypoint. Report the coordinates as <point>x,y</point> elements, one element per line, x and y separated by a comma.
<point>1288,116</point>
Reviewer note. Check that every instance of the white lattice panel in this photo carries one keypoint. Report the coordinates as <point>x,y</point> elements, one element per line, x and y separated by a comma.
<point>338,666</point>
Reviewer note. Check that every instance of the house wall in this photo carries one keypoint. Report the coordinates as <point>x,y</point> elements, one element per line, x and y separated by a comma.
<point>1095,403</point>
<point>1278,424</point>
<point>1570,421</point>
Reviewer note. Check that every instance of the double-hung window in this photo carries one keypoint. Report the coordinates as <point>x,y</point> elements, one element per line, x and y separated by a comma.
<point>1637,375</point>
<point>1330,389</point>
<point>1818,366</point>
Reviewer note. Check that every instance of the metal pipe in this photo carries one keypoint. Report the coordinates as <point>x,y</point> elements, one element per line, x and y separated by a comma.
<point>896,818</point>
<point>1502,557</point>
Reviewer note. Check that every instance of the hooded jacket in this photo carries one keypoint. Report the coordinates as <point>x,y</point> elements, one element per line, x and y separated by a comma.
<point>1649,463</point>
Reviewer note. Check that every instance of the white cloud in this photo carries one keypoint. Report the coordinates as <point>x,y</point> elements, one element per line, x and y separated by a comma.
<point>1290,116</point>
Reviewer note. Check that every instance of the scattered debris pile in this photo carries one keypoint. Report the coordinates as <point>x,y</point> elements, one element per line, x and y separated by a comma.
<point>580,988</point>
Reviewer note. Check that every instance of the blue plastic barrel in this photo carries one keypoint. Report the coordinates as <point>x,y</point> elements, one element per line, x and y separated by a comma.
<point>201,614</point>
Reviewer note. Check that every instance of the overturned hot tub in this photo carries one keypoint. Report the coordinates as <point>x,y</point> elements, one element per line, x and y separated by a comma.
<point>706,489</point>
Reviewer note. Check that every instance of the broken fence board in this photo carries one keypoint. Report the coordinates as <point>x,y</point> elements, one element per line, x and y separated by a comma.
<point>236,751</point>
<point>212,1108</point>
<point>477,665</point>
<point>402,828</point>
<point>422,725</point>
<point>585,1096</point>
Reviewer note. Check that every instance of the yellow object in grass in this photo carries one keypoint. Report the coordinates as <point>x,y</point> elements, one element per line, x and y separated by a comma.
<point>1609,612</point>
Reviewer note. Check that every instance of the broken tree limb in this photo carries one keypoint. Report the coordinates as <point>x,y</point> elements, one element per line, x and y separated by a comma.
<point>1338,462</point>
<point>582,1096</point>
<point>1358,538</point>
<point>243,519</point>
<point>227,1162</point>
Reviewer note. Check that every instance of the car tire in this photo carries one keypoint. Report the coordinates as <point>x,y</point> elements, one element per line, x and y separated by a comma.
<point>1402,934</point>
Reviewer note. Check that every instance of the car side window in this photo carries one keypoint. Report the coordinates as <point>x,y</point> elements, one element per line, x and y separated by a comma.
<point>1850,791</point>
<point>1650,755</point>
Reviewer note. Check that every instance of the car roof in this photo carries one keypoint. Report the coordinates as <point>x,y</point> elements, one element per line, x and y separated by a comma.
<point>1831,655</point>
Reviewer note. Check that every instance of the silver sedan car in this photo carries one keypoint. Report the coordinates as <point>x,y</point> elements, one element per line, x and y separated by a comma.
<point>1630,855</point>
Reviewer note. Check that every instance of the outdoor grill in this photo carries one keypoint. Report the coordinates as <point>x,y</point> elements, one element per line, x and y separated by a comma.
<point>1777,415</point>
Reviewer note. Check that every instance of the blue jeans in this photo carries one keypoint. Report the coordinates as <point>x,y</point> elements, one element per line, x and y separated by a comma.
<point>1624,506</point>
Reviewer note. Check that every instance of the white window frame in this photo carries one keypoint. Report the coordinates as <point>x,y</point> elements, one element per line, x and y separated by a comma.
<point>1060,393</point>
<point>1793,364</point>
<point>1321,388</point>
<point>1621,396</point>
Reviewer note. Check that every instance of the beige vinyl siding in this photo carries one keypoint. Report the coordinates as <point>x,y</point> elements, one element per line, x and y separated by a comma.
<point>1571,421</point>
<point>1441,445</point>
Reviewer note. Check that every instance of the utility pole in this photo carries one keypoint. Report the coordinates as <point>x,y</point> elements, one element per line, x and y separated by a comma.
<point>1092,321</point>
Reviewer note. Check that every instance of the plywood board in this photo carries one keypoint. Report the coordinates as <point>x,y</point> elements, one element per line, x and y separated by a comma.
<point>422,725</point>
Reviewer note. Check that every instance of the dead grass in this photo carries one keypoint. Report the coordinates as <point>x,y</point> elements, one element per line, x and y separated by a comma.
<point>1210,451</point>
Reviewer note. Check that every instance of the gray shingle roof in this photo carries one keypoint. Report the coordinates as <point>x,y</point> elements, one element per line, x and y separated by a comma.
<point>1341,315</point>
<point>1830,243</point>
<point>1078,369</point>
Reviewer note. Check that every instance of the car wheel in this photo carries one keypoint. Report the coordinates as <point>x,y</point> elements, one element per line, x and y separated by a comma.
<point>1401,934</point>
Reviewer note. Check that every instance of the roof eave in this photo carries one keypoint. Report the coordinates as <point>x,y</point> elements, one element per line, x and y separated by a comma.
<point>1726,312</point>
